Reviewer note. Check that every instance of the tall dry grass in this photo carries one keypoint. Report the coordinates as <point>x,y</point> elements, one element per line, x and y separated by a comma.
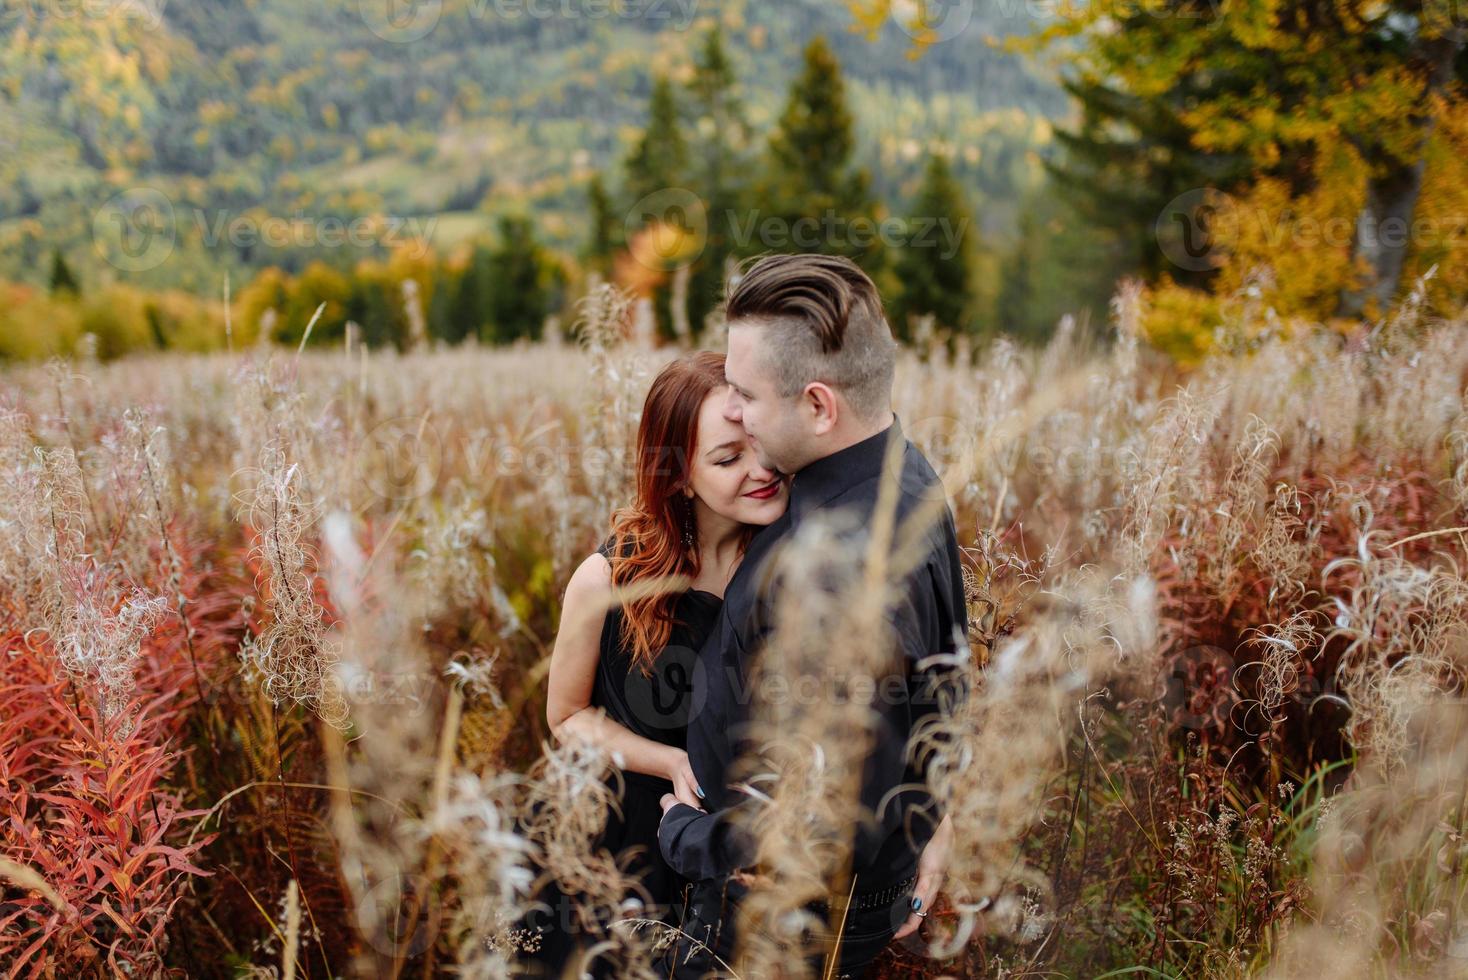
<point>300,605</point>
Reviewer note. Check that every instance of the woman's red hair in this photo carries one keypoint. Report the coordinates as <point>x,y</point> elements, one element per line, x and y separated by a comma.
<point>647,537</point>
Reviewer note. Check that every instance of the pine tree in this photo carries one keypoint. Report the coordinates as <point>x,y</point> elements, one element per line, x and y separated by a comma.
<point>603,241</point>
<point>659,160</point>
<point>1129,157</point>
<point>821,198</point>
<point>457,315</point>
<point>62,280</point>
<point>518,288</point>
<point>1013,308</point>
<point>933,266</point>
<point>659,163</point>
<point>1057,264</point>
<point>372,305</point>
<point>720,156</point>
<point>1305,95</point>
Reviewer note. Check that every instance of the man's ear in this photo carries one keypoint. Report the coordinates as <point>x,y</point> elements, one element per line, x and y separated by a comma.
<point>821,404</point>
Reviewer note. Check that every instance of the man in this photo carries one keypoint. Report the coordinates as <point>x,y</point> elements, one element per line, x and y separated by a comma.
<point>810,365</point>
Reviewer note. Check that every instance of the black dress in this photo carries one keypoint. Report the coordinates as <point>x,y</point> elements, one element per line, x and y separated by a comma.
<point>655,707</point>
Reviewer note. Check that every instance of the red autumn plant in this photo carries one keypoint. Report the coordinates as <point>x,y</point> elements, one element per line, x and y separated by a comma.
<point>90,813</point>
<point>1213,665</point>
<point>89,808</point>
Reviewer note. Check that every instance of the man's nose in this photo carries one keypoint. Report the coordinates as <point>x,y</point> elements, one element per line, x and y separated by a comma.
<point>732,410</point>
<point>762,474</point>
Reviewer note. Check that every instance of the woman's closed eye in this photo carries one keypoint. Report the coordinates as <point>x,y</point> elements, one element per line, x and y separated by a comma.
<point>731,459</point>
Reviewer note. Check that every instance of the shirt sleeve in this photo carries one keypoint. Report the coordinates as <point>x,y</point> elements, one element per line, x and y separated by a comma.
<point>701,845</point>
<point>916,632</point>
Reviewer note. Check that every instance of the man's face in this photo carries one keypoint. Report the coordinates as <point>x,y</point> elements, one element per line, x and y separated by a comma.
<point>773,424</point>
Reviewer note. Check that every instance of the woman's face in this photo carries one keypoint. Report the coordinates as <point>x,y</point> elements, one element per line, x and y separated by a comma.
<point>725,474</point>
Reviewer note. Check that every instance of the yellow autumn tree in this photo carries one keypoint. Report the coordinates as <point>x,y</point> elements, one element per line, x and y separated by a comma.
<point>1309,152</point>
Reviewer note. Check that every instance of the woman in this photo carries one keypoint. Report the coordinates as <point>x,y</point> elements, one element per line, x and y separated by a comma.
<point>620,673</point>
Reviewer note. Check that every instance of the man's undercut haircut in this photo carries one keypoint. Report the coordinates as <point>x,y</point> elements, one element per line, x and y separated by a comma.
<point>822,320</point>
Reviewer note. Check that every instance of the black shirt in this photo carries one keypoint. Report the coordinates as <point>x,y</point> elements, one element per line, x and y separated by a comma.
<point>929,617</point>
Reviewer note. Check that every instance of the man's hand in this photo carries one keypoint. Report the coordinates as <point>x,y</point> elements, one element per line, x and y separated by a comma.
<point>753,879</point>
<point>669,801</point>
<point>743,876</point>
<point>930,872</point>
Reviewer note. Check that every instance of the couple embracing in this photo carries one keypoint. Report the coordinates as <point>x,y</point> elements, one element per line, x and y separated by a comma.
<point>734,453</point>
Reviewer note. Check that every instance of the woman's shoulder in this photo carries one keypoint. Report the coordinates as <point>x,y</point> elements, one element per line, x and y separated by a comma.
<point>591,583</point>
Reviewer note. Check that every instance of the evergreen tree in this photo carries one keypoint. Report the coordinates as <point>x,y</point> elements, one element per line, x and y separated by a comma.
<point>933,266</point>
<point>62,280</point>
<point>815,190</point>
<point>1058,264</point>
<point>720,164</point>
<point>155,326</point>
<point>603,242</point>
<point>659,159</point>
<point>458,315</point>
<point>518,282</point>
<point>1309,95</point>
<point>1013,306</point>
<point>1130,156</point>
<point>659,162</point>
<point>374,305</point>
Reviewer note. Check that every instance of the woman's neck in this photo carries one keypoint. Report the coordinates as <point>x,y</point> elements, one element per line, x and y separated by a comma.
<point>718,549</point>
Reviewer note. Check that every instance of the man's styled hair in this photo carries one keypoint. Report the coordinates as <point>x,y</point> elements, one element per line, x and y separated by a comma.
<point>823,321</point>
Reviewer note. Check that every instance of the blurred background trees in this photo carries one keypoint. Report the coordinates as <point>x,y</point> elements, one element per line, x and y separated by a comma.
<point>1309,155</point>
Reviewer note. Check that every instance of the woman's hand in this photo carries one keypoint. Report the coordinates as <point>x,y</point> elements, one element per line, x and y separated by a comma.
<point>931,869</point>
<point>685,784</point>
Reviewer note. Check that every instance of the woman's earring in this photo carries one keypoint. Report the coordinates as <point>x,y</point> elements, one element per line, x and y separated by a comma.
<point>688,538</point>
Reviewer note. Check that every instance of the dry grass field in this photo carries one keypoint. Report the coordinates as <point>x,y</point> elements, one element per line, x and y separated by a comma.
<point>275,628</point>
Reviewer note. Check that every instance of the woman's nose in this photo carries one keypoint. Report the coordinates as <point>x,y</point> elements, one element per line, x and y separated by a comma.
<point>760,474</point>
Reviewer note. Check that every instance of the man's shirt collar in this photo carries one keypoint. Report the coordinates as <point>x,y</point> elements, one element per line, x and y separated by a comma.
<point>830,476</point>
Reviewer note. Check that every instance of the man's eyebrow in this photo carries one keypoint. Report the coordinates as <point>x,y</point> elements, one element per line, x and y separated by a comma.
<point>722,445</point>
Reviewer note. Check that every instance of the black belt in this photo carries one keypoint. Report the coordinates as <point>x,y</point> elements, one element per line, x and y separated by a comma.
<point>862,901</point>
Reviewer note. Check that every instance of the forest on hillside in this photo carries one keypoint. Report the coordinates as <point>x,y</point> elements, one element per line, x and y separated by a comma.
<point>473,174</point>
<point>264,107</point>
